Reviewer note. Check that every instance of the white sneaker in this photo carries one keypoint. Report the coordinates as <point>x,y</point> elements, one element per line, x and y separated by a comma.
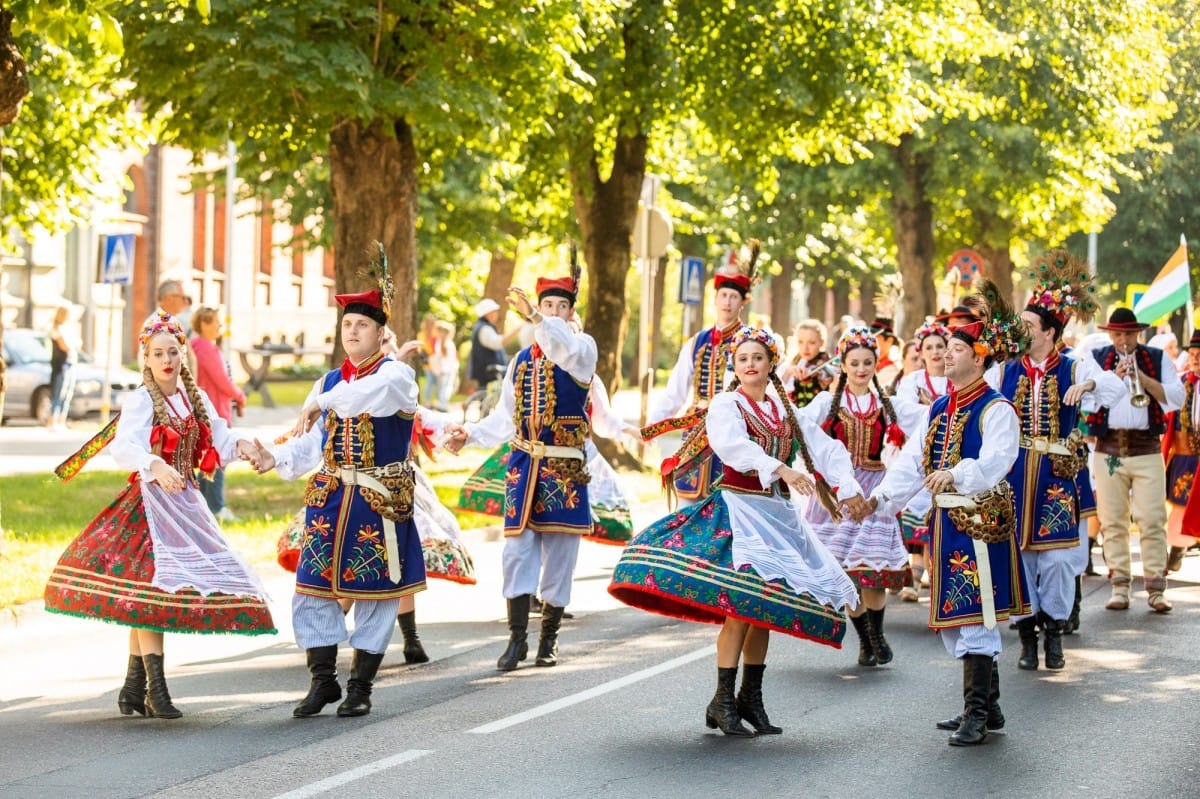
<point>226,515</point>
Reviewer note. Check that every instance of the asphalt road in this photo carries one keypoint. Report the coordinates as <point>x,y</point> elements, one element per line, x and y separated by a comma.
<point>622,716</point>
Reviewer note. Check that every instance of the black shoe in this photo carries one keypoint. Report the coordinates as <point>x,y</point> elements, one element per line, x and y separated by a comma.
<point>722,710</point>
<point>413,651</point>
<point>158,699</point>
<point>1090,571</point>
<point>132,696</point>
<point>518,626</point>
<point>363,669</point>
<point>866,653</point>
<point>1072,625</point>
<point>1052,628</point>
<point>323,689</point>
<point>1027,628</point>
<point>977,685</point>
<point>547,654</point>
<point>749,704</point>
<point>995,717</point>
<point>879,644</point>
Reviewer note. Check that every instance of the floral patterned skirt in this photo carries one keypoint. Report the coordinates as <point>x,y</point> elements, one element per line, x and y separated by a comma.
<point>682,566</point>
<point>107,572</point>
<point>1181,471</point>
<point>872,552</point>
<point>612,523</point>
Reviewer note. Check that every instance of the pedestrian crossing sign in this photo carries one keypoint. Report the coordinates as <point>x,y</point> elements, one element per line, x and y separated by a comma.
<point>116,258</point>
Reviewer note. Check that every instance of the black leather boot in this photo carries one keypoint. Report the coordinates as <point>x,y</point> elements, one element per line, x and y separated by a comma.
<point>363,669</point>
<point>995,719</point>
<point>1090,570</point>
<point>1027,628</point>
<point>977,686</point>
<point>413,651</point>
<point>132,696</point>
<point>722,710</point>
<point>750,702</point>
<point>547,654</point>
<point>518,625</point>
<point>1073,619</point>
<point>866,652</point>
<point>324,688</point>
<point>1052,629</point>
<point>879,644</point>
<point>158,699</point>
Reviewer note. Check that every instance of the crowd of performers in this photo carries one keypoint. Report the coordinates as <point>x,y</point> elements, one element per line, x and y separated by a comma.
<point>807,487</point>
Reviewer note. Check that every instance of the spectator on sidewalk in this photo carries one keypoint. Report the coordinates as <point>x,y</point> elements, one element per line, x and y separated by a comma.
<point>487,344</point>
<point>63,355</point>
<point>212,376</point>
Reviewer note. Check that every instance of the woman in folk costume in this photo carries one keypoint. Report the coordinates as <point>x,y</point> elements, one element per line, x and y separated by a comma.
<point>961,453</point>
<point>743,558</point>
<point>543,412</point>
<point>612,522</point>
<point>1181,448</point>
<point>360,541</point>
<point>923,387</point>
<point>857,414</point>
<point>155,560</point>
<point>803,376</point>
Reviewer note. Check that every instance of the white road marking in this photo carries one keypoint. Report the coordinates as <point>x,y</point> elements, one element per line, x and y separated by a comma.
<point>593,692</point>
<point>338,780</point>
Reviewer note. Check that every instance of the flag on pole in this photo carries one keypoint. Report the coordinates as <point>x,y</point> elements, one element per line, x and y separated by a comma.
<point>1171,289</point>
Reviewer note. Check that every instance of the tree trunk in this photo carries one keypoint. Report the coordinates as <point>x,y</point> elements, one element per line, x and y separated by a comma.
<point>373,176</point>
<point>841,300</point>
<point>781,296</point>
<point>816,295</point>
<point>14,80</point>
<point>997,257</point>
<point>912,224</point>
<point>866,298</point>
<point>500,277</point>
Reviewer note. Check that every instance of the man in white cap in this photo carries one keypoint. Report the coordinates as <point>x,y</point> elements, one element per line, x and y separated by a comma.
<point>487,344</point>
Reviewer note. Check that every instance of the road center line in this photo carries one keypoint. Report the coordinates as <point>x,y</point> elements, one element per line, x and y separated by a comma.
<point>338,780</point>
<point>592,693</point>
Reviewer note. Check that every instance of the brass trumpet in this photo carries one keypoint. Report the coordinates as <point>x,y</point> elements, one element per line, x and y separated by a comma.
<point>1138,396</point>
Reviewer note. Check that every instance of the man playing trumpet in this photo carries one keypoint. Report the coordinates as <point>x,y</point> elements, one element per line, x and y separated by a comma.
<point>1128,464</point>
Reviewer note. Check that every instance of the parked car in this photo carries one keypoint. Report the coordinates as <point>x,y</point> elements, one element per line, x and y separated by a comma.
<point>27,372</point>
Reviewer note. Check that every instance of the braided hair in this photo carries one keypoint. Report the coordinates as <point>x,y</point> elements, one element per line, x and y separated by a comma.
<point>825,493</point>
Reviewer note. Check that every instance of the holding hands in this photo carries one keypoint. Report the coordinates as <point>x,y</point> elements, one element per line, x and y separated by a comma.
<point>455,437</point>
<point>257,455</point>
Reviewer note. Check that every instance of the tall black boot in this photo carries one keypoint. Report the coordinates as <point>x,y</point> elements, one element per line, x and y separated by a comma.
<point>995,718</point>
<point>1090,571</point>
<point>750,702</point>
<point>977,687</point>
<point>1073,619</point>
<point>363,669</point>
<point>158,699</point>
<point>879,644</point>
<point>722,710</point>
<point>866,652</point>
<point>547,654</point>
<point>518,625</point>
<point>1052,629</point>
<point>413,651</point>
<point>324,688</point>
<point>132,696</point>
<point>1027,628</point>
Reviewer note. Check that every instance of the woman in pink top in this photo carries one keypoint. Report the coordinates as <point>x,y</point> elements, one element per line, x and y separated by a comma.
<point>212,375</point>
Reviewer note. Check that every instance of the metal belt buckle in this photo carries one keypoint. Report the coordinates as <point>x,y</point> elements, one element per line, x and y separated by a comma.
<point>1041,445</point>
<point>353,475</point>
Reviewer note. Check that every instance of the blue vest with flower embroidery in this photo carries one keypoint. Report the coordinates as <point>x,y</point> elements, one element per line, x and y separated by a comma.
<point>547,494</point>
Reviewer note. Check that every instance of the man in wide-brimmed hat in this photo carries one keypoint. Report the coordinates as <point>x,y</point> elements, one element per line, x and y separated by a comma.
<point>1127,464</point>
<point>487,343</point>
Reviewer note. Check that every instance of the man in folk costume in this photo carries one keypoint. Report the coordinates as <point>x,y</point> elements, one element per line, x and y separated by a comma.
<point>702,370</point>
<point>1046,387</point>
<point>543,412</point>
<point>975,570</point>
<point>1181,448</point>
<point>1127,464</point>
<point>359,539</point>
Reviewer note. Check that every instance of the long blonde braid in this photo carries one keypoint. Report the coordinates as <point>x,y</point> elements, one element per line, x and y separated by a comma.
<point>193,395</point>
<point>825,493</point>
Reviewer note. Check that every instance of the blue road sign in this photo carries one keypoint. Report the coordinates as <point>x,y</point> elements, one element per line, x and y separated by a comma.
<point>116,259</point>
<point>691,281</point>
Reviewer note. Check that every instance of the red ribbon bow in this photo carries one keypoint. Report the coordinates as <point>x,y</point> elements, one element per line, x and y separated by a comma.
<point>349,370</point>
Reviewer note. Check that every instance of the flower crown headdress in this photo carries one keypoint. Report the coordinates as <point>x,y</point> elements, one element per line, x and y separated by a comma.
<point>162,322</point>
<point>999,332</point>
<point>931,329</point>
<point>762,336</point>
<point>856,337</point>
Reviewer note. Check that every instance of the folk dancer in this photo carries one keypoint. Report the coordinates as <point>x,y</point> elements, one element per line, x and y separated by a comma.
<point>803,376</point>
<point>543,412</point>
<point>742,558</point>
<point>1127,464</point>
<point>1046,387</point>
<point>976,577</point>
<point>857,414</point>
<point>360,541</point>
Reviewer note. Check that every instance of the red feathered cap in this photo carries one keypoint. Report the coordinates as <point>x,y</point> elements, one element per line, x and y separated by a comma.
<point>556,287</point>
<point>740,283</point>
<point>367,303</point>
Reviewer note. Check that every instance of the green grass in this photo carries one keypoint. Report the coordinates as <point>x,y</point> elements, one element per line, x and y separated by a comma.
<point>284,392</point>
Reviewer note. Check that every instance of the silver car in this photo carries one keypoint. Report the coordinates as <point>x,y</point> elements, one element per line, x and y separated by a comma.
<point>27,374</point>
